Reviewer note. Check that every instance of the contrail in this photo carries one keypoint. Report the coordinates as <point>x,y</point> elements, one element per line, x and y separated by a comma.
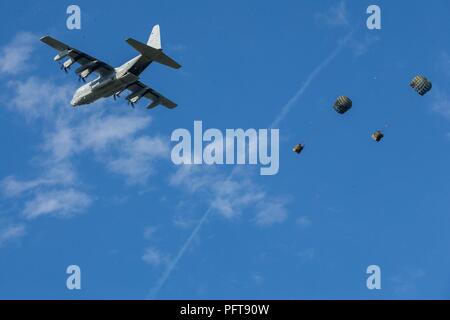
<point>174,262</point>
<point>283,113</point>
<point>290,104</point>
<point>153,293</point>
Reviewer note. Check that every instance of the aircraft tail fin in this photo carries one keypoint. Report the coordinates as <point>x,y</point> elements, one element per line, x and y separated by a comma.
<point>155,38</point>
<point>153,53</point>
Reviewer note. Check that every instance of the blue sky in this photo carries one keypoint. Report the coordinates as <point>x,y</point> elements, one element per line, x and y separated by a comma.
<point>95,186</point>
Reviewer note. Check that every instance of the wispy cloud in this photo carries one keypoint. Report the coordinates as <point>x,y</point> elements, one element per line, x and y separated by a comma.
<point>137,158</point>
<point>53,192</point>
<point>271,212</point>
<point>230,197</point>
<point>61,203</point>
<point>96,132</point>
<point>337,15</point>
<point>150,232</point>
<point>115,139</point>
<point>38,98</point>
<point>11,232</point>
<point>361,46</point>
<point>12,187</point>
<point>441,105</point>
<point>14,56</point>
<point>154,257</point>
<point>405,284</point>
<point>303,221</point>
<point>61,174</point>
<point>278,213</point>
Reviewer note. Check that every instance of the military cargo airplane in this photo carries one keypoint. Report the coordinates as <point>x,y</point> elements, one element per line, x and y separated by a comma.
<point>113,81</point>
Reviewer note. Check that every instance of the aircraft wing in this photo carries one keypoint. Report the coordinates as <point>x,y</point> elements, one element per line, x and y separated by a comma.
<point>140,90</point>
<point>88,63</point>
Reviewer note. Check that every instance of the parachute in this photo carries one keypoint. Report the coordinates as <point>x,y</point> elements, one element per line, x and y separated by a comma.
<point>342,104</point>
<point>421,84</point>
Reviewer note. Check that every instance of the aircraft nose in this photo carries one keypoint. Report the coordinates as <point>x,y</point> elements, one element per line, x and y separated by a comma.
<point>74,102</point>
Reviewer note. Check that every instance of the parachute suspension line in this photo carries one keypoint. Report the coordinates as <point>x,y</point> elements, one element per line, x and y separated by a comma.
<point>419,83</point>
<point>341,106</point>
<point>313,130</point>
<point>316,129</point>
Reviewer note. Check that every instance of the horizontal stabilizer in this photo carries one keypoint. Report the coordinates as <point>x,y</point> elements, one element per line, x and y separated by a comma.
<point>153,54</point>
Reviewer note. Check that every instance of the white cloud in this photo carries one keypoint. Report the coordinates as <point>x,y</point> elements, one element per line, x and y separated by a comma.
<point>149,232</point>
<point>53,193</point>
<point>230,196</point>
<point>115,139</point>
<point>15,55</point>
<point>11,232</point>
<point>61,174</point>
<point>183,222</point>
<point>137,158</point>
<point>441,105</point>
<point>38,98</point>
<point>99,132</point>
<point>303,221</point>
<point>190,177</point>
<point>61,203</point>
<point>361,46</point>
<point>335,16</point>
<point>271,212</point>
<point>12,187</point>
<point>153,257</point>
<point>406,284</point>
